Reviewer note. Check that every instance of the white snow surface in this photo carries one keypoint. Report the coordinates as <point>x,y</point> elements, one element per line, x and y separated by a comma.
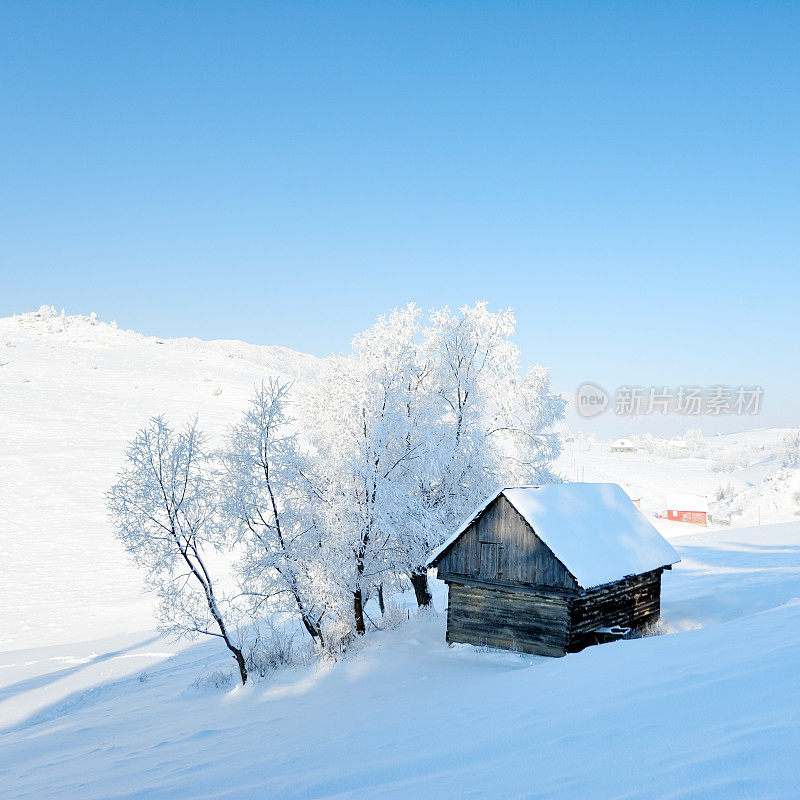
<point>686,502</point>
<point>708,711</point>
<point>593,529</point>
<point>95,704</point>
<point>73,393</point>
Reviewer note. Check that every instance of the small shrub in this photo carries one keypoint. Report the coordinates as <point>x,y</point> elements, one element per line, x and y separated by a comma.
<point>394,616</point>
<point>272,648</point>
<point>657,628</point>
<point>340,638</point>
<point>218,679</point>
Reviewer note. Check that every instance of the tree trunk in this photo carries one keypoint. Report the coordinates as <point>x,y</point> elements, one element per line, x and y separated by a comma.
<point>381,602</point>
<point>312,628</point>
<point>358,612</point>
<point>309,624</point>
<point>205,581</point>
<point>237,654</point>
<point>419,580</point>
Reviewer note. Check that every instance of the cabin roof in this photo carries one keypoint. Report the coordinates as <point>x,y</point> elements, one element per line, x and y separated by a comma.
<point>594,529</point>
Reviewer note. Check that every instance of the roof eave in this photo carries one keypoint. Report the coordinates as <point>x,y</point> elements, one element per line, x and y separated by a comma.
<point>625,577</point>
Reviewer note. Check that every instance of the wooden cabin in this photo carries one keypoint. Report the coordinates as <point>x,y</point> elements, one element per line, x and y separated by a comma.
<point>552,569</point>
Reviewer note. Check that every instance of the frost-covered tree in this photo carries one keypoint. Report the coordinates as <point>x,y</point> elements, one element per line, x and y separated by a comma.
<point>268,497</point>
<point>415,427</point>
<point>522,427</point>
<point>499,424</point>
<point>361,421</point>
<point>393,354</point>
<point>163,511</point>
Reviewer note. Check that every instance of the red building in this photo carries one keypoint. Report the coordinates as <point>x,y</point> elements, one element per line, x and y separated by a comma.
<point>690,508</point>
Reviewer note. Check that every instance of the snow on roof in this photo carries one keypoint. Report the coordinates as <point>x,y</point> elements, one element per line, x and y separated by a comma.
<point>594,529</point>
<point>687,502</point>
<point>622,443</point>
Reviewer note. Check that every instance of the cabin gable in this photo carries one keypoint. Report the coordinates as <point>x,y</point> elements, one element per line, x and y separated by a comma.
<point>500,547</point>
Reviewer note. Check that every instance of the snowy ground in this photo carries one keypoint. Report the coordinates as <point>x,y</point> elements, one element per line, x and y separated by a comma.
<point>93,704</point>
<point>711,710</point>
<point>73,392</point>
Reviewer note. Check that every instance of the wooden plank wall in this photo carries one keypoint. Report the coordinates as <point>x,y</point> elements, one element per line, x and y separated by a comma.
<point>522,556</point>
<point>528,622</point>
<point>632,602</point>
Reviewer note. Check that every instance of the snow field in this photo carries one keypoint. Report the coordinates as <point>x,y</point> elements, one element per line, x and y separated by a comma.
<point>94,704</point>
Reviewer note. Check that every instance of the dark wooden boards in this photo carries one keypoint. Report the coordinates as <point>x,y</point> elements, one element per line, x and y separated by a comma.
<point>547,622</point>
<point>530,623</point>
<point>519,554</point>
<point>632,602</point>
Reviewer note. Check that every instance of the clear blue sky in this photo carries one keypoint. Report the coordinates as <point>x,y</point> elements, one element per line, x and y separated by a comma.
<point>624,175</point>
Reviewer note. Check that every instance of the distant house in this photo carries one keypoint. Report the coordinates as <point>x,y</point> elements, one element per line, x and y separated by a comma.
<point>680,447</point>
<point>623,446</point>
<point>687,508</point>
<point>552,569</point>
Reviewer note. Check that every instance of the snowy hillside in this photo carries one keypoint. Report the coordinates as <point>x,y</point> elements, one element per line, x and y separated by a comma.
<point>94,704</point>
<point>744,475</point>
<point>73,391</point>
<point>709,711</point>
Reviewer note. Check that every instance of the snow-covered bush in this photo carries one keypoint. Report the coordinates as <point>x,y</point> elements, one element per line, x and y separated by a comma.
<point>47,312</point>
<point>723,492</point>
<point>791,444</point>
<point>217,679</point>
<point>734,458</point>
<point>396,614</point>
<point>271,647</point>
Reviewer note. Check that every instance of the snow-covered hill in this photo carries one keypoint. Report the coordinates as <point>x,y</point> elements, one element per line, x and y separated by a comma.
<point>709,711</point>
<point>73,391</point>
<point>743,475</point>
<point>94,704</point>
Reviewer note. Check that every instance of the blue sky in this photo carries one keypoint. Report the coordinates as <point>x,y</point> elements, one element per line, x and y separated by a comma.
<point>624,175</point>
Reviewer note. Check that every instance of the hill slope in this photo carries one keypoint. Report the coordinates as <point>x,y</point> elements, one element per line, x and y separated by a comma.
<point>73,392</point>
<point>707,712</point>
<point>94,704</point>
